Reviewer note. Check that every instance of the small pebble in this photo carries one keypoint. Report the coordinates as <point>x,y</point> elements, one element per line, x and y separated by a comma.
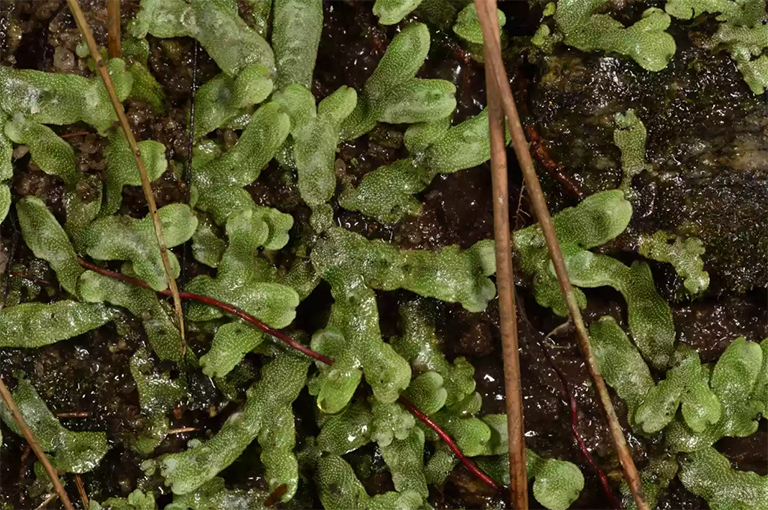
<point>20,151</point>
<point>63,59</point>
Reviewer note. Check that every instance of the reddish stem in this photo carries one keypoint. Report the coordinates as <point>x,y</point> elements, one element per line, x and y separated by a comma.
<point>218,304</point>
<point>276,495</point>
<point>30,278</point>
<point>306,350</point>
<point>550,165</point>
<point>450,442</point>
<point>70,135</point>
<point>575,429</point>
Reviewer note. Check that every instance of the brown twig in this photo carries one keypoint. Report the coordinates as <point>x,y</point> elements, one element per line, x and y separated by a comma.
<point>48,500</point>
<point>81,490</point>
<point>113,28</point>
<point>550,165</point>
<point>25,455</point>
<point>75,414</point>
<point>19,419</point>
<point>519,212</point>
<point>82,24</point>
<point>486,11</point>
<point>182,430</point>
<point>77,133</point>
<point>518,479</point>
<point>301,348</point>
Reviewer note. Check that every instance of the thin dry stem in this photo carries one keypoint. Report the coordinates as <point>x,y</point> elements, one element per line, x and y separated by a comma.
<point>486,11</point>
<point>19,419</point>
<point>113,28</point>
<point>82,24</point>
<point>75,414</point>
<point>81,490</point>
<point>49,499</point>
<point>182,430</point>
<point>507,312</point>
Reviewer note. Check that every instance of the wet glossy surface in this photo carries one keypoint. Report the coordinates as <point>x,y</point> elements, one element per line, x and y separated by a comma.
<point>706,140</point>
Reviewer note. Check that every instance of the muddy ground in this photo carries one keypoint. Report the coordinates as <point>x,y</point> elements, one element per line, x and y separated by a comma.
<point>707,141</point>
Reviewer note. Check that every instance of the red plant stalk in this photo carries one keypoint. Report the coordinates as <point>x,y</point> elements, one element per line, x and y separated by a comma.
<point>557,172</point>
<point>575,429</point>
<point>450,442</point>
<point>39,281</point>
<point>233,310</point>
<point>79,133</point>
<point>218,304</point>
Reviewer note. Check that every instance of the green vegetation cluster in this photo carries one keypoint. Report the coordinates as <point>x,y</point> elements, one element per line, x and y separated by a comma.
<point>264,90</point>
<point>583,24</point>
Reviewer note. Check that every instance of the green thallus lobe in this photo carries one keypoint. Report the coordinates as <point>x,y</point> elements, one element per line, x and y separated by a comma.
<point>712,406</point>
<point>73,452</point>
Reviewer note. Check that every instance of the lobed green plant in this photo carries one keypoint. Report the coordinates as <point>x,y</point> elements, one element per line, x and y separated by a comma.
<point>684,254</point>
<point>240,279</point>
<point>556,483</point>
<point>297,26</point>
<point>230,345</point>
<point>339,489</point>
<point>48,241</point>
<point>267,415</point>
<point>123,171</point>
<point>714,402</point>
<point>652,406</point>
<point>51,153</point>
<point>393,94</point>
<point>73,452</point>
<point>257,15</point>
<point>34,325</point>
<point>578,24</point>
<point>656,476</point>
<point>162,334</point>
<point>315,136</point>
<point>597,219</point>
<point>442,13</point>
<point>125,238</point>
<point>467,25</point>
<point>47,98</point>
<point>136,500</point>
<point>387,193</point>
<point>158,394</point>
<point>708,474</point>
<point>265,90</point>
<point>391,12</point>
<point>145,86</point>
<point>742,31</point>
<point>214,495</point>
<point>6,168</point>
<point>630,136</point>
<point>225,101</point>
<point>230,42</point>
<point>739,381</point>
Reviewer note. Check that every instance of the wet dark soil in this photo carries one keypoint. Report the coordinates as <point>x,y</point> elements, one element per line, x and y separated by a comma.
<point>707,143</point>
